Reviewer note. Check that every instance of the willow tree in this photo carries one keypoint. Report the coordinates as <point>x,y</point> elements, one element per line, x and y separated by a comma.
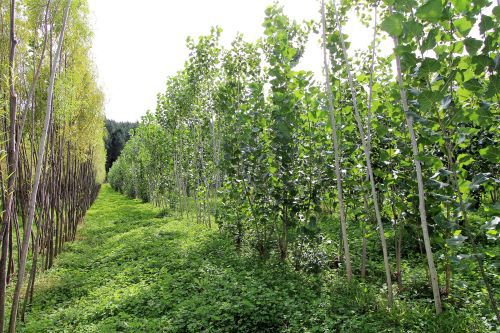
<point>53,129</point>
<point>11,162</point>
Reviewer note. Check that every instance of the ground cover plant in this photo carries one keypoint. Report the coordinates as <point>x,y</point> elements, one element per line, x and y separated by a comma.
<point>134,270</point>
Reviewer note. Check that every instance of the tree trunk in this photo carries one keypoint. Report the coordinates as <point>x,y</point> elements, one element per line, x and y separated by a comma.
<point>12,165</point>
<point>369,169</point>
<point>420,182</point>
<point>363,235</point>
<point>338,174</point>
<point>29,224</point>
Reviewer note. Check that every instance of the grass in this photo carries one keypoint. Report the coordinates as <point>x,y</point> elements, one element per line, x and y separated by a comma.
<point>132,270</point>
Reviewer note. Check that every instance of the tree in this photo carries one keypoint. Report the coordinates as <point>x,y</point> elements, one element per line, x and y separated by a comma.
<point>118,135</point>
<point>338,174</point>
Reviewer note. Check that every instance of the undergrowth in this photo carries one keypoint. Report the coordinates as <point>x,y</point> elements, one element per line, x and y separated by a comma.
<point>134,270</point>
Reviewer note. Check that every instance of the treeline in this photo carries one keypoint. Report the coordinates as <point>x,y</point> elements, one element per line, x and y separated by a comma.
<point>397,155</point>
<point>118,134</point>
<point>52,148</point>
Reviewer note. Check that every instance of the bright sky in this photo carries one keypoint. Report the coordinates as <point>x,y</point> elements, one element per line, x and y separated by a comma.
<point>137,44</point>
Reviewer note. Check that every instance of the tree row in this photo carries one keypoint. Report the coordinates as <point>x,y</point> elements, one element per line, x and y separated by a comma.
<point>387,158</point>
<point>52,148</point>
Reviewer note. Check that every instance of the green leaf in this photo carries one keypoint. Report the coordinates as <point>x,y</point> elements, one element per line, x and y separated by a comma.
<point>393,25</point>
<point>490,153</point>
<point>430,161</point>
<point>460,5</point>
<point>496,12</point>
<point>486,24</point>
<point>430,41</point>
<point>413,29</point>
<point>478,180</point>
<point>464,186</point>
<point>493,86</point>
<point>426,100</point>
<point>465,159</point>
<point>491,225</point>
<point>481,61</point>
<point>492,235</point>
<point>456,241</point>
<point>472,45</point>
<point>463,256</point>
<point>463,26</point>
<point>473,85</point>
<point>431,11</point>
<point>446,102</point>
<point>428,66</point>
<point>437,184</point>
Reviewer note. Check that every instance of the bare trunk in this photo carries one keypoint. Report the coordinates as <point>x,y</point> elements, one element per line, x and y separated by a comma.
<point>364,241</point>
<point>11,168</point>
<point>420,182</point>
<point>398,245</point>
<point>41,151</point>
<point>369,169</point>
<point>338,174</point>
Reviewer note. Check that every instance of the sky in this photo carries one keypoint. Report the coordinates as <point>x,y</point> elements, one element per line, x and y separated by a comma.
<point>138,44</point>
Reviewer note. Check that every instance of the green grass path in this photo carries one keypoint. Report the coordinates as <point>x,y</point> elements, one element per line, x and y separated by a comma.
<point>112,278</point>
<point>133,271</point>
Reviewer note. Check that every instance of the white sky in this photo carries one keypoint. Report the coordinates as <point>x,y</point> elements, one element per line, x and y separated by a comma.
<point>137,44</point>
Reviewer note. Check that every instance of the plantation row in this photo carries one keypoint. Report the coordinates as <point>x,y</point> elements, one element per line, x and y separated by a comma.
<point>52,148</point>
<point>396,155</point>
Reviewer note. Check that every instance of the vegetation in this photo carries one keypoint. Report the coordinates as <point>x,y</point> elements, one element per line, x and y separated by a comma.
<point>118,135</point>
<point>274,199</point>
<point>134,270</point>
<point>388,170</point>
<point>52,148</point>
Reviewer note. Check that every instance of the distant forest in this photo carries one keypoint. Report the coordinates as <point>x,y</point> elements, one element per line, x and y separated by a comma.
<point>118,135</point>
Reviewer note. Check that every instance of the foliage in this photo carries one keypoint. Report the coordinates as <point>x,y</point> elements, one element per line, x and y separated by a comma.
<point>131,271</point>
<point>243,139</point>
<point>118,135</point>
<point>52,151</point>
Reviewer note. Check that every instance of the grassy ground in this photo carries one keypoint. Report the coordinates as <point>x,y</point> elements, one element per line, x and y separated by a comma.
<point>134,271</point>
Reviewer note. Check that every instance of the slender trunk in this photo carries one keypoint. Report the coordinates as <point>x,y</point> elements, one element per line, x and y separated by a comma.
<point>31,93</point>
<point>14,144</point>
<point>338,174</point>
<point>364,241</point>
<point>216,166</point>
<point>420,182</point>
<point>29,224</point>
<point>7,215</point>
<point>31,282</point>
<point>399,246</point>
<point>369,169</point>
